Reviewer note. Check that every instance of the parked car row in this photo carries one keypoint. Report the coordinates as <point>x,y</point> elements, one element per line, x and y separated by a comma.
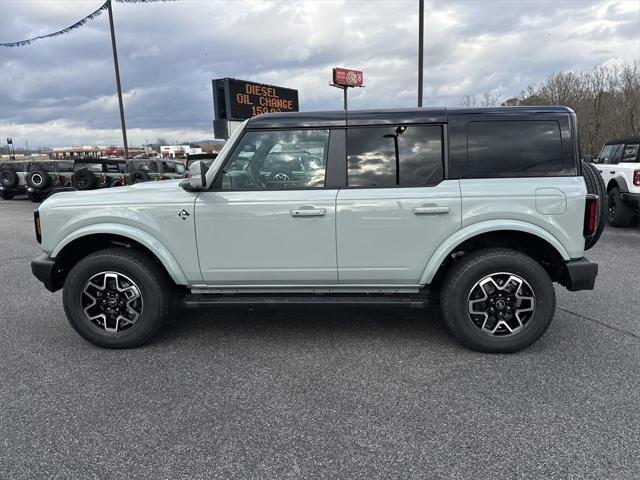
<point>38,179</point>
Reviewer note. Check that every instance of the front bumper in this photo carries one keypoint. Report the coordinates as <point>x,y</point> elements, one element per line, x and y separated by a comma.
<point>48,271</point>
<point>580,274</point>
<point>631,199</point>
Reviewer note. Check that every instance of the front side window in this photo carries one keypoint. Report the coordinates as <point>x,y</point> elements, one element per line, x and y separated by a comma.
<point>514,148</point>
<point>606,153</point>
<point>616,155</point>
<point>396,156</point>
<point>277,160</point>
<point>630,153</point>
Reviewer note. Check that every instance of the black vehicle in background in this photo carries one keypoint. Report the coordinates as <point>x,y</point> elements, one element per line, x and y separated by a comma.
<point>45,177</point>
<point>147,169</point>
<point>13,178</point>
<point>92,173</point>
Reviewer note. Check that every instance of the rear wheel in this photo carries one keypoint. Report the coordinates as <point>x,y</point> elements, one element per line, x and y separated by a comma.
<point>117,298</point>
<point>497,300</point>
<point>8,178</point>
<point>6,195</point>
<point>619,213</point>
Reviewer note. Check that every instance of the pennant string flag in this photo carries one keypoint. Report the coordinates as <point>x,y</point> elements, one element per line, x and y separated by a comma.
<point>78,24</point>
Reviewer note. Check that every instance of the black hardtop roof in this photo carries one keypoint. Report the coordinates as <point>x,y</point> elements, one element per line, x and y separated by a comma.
<point>630,139</point>
<point>394,116</point>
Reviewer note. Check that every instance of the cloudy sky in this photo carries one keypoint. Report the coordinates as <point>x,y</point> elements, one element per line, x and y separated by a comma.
<point>61,91</point>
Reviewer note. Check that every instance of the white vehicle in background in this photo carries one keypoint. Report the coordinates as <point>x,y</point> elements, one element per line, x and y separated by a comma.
<point>619,165</point>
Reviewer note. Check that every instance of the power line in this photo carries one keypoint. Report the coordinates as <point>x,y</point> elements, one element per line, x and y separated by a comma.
<point>78,24</point>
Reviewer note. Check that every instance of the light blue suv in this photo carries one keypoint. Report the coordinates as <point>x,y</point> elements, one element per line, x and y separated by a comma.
<point>482,209</point>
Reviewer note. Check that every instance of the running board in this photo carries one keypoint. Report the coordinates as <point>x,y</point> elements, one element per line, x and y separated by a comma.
<point>204,300</point>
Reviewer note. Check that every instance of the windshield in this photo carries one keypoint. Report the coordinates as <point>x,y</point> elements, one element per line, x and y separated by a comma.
<point>225,151</point>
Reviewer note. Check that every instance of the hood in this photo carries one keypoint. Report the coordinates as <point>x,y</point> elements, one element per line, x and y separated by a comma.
<point>153,192</point>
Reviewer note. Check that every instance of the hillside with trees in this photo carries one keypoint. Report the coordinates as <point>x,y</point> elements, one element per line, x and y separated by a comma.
<point>606,100</point>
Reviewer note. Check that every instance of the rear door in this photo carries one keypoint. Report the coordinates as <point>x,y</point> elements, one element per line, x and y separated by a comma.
<point>397,207</point>
<point>260,229</point>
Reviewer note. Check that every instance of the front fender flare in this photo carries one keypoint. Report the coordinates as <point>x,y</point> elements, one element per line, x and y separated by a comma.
<point>479,228</point>
<point>157,248</point>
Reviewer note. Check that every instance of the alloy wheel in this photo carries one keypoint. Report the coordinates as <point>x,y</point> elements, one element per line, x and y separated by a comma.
<point>111,301</point>
<point>501,304</point>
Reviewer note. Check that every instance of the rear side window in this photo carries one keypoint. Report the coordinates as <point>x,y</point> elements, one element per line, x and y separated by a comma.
<point>630,153</point>
<point>402,155</point>
<point>514,148</point>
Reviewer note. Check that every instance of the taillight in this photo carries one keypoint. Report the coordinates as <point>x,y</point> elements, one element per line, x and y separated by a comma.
<point>591,215</point>
<point>36,221</point>
<point>103,179</point>
<point>122,181</point>
<point>636,178</point>
<point>162,177</point>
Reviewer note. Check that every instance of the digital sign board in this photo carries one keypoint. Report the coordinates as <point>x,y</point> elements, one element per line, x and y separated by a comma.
<point>347,77</point>
<point>237,100</point>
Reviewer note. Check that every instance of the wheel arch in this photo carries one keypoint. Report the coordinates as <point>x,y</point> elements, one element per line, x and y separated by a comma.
<point>617,182</point>
<point>97,237</point>
<point>525,237</point>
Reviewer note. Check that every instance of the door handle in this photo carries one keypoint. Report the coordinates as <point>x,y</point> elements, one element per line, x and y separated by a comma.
<point>430,210</point>
<point>600,171</point>
<point>308,212</point>
<point>612,171</point>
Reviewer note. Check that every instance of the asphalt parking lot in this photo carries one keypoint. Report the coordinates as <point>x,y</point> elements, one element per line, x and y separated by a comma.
<point>324,393</point>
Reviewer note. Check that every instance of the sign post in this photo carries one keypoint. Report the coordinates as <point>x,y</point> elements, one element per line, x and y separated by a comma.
<point>12,150</point>
<point>236,100</point>
<point>345,78</point>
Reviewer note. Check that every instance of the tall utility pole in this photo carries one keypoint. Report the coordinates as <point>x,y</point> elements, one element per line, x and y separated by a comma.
<point>420,50</point>
<point>119,88</point>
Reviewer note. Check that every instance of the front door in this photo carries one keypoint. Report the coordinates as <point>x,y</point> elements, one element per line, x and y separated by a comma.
<point>397,207</point>
<point>272,221</point>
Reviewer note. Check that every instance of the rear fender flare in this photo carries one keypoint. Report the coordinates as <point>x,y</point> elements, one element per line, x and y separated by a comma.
<point>479,228</point>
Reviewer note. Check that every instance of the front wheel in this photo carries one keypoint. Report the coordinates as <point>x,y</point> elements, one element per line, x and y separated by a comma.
<point>497,300</point>
<point>6,195</point>
<point>117,298</point>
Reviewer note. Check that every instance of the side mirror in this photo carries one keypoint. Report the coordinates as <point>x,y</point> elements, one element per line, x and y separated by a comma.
<point>197,176</point>
<point>588,158</point>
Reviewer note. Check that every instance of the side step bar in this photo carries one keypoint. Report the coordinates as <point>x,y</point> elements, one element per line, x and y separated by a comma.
<point>209,300</point>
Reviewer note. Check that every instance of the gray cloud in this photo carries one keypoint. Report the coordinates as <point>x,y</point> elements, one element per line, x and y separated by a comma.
<point>61,90</point>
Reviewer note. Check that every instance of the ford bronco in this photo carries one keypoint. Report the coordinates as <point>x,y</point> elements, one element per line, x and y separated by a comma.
<point>619,165</point>
<point>481,209</point>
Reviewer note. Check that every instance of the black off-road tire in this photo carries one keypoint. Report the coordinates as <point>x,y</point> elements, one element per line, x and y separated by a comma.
<point>138,176</point>
<point>619,214</point>
<point>115,183</point>
<point>6,195</point>
<point>84,179</point>
<point>474,267</point>
<point>149,277</point>
<point>38,179</point>
<point>35,197</point>
<point>8,178</point>
<point>596,186</point>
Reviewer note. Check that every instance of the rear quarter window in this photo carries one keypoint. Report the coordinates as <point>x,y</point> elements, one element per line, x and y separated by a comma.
<point>630,153</point>
<point>515,149</point>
